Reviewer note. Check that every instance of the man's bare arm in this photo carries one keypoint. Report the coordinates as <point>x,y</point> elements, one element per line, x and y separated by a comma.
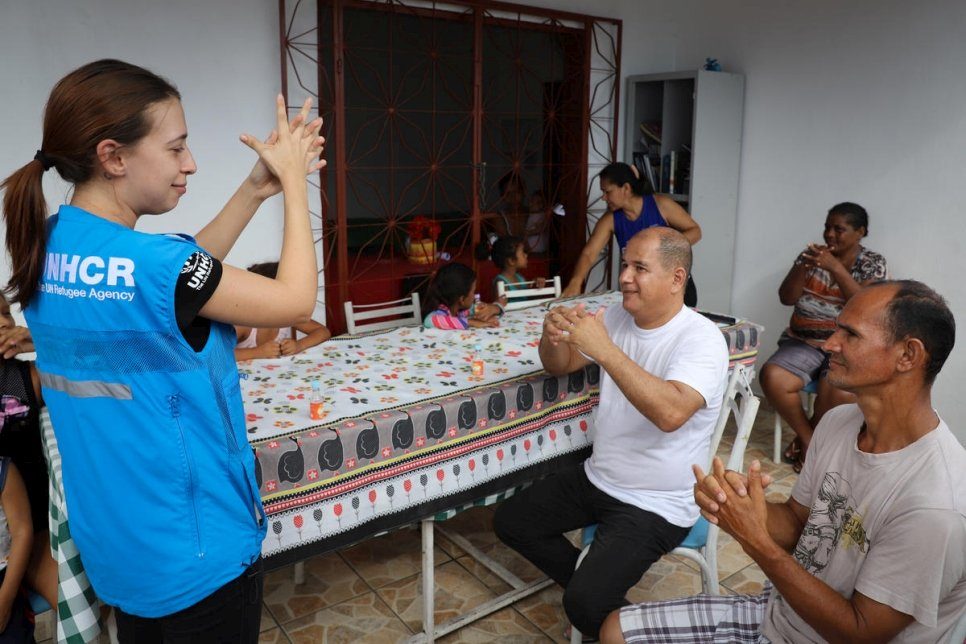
<point>749,519</point>
<point>666,403</point>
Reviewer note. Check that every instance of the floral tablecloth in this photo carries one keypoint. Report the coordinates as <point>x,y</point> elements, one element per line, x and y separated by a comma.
<point>409,428</point>
<point>389,370</point>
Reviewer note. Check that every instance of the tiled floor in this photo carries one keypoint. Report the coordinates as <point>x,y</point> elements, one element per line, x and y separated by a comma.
<point>371,592</point>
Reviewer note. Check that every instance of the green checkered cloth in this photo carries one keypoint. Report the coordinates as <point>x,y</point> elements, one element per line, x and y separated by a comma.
<point>490,499</point>
<point>77,606</point>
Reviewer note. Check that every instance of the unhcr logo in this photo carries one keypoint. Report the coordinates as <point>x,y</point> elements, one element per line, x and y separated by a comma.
<point>91,270</point>
<point>199,265</point>
<point>73,276</point>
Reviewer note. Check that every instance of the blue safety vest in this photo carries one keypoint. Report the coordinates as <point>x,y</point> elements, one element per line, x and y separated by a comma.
<point>157,471</point>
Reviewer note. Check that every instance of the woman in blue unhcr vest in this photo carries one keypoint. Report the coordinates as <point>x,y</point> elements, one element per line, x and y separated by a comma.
<point>135,347</point>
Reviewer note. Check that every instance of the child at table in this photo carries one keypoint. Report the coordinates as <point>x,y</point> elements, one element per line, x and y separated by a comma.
<point>273,343</point>
<point>16,543</point>
<point>22,443</point>
<point>451,301</point>
<point>509,254</point>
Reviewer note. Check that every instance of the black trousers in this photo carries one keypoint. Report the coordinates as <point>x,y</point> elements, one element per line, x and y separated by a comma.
<point>232,614</point>
<point>628,540</point>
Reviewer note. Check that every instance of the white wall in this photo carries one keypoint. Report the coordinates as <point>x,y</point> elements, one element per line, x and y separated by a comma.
<point>859,100</point>
<point>221,54</point>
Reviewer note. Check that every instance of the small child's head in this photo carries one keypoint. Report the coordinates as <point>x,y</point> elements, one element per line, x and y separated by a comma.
<point>265,269</point>
<point>506,252</point>
<point>6,317</point>
<point>538,201</point>
<point>453,285</point>
<point>513,191</point>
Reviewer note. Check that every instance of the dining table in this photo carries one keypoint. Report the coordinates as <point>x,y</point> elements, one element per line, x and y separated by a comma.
<point>409,430</point>
<point>410,434</point>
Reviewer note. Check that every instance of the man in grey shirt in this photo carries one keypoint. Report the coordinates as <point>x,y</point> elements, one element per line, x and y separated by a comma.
<point>871,546</point>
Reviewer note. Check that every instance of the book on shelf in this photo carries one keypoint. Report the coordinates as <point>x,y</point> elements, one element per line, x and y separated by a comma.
<point>672,175</point>
<point>643,164</point>
<point>652,130</point>
<point>684,170</point>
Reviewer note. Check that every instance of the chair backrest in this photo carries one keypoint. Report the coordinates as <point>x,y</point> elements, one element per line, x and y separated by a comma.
<point>402,312</point>
<point>518,298</point>
<point>741,401</point>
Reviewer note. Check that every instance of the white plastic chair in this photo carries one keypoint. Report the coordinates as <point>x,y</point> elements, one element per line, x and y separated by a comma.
<point>518,298</point>
<point>403,311</point>
<point>701,544</point>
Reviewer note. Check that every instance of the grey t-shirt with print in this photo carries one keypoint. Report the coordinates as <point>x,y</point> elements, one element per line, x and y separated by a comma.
<point>890,526</point>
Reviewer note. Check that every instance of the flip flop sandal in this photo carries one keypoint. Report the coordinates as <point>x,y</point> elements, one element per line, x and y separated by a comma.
<point>793,452</point>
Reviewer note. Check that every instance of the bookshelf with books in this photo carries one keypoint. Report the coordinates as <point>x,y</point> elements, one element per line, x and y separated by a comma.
<point>683,132</point>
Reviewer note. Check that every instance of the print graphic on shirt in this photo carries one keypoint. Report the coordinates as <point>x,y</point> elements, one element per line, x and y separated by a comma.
<point>200,266</point>
<point>833,522</point>
<point>12,407</point>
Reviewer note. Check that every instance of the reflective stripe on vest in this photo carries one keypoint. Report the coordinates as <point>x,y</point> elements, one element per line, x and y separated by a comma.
<point>86,388</point>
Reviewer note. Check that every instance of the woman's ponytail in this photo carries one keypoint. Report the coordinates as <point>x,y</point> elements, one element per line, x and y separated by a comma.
<point>25,216</point>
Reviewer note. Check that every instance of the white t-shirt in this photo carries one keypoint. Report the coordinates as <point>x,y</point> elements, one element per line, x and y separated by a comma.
<point>890,526</point>
<point>633,460</point>
<point>250,342</point>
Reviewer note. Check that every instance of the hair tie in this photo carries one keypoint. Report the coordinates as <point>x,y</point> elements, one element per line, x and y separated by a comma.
<point>45,160</point>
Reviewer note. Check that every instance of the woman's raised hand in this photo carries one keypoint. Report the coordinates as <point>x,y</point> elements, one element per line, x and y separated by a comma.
<point>820,256</point>
<point>297,152</point>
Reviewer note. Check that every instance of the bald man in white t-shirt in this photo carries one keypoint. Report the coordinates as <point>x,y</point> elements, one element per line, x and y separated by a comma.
<point>871,546</point>
<point>663,372</point>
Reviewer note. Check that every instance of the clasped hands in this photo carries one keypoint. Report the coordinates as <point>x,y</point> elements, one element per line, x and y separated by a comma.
<point>578,327</point>
<point>733,501</point>
<point>820,256</point>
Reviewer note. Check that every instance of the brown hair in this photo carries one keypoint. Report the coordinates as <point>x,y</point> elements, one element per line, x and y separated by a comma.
<point>105,99</point>
<point>265,269</point>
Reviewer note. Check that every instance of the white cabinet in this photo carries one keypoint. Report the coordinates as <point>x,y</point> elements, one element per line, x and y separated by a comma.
<point>699,117</point>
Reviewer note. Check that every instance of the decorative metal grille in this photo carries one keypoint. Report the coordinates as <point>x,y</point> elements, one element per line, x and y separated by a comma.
<point>480,116</point>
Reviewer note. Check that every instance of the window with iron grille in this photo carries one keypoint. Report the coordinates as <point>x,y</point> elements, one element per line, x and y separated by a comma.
<point>450,122</point>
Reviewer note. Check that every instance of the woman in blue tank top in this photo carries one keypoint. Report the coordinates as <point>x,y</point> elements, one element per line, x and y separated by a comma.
<point>631,207</point>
